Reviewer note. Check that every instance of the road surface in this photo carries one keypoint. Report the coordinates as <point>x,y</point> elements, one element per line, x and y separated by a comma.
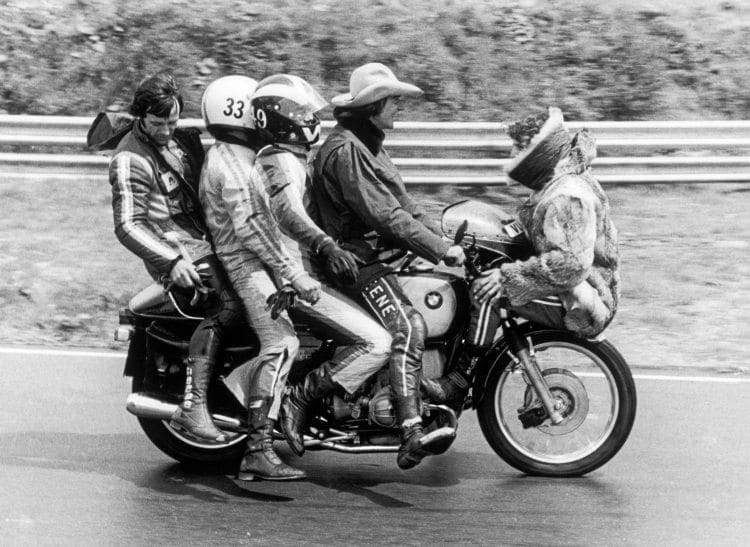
<point>75,469</point>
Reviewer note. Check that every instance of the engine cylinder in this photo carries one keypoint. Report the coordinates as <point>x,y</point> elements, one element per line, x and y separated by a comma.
<point>381,411</point>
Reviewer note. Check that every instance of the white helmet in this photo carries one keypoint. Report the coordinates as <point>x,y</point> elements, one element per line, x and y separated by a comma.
<point>226,103</point>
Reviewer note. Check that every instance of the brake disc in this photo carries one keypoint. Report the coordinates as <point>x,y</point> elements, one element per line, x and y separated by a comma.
<point>568,391</point>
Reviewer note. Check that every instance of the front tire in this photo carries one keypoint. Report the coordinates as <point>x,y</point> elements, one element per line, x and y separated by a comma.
<point>589,379</point>
<point>184,449</point>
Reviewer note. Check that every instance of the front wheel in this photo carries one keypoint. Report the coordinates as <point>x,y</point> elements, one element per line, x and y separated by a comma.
<point>592,386</point>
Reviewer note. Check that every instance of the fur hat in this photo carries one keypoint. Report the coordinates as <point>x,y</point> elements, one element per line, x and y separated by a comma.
<point>372,82</point>
<point>534,166</point>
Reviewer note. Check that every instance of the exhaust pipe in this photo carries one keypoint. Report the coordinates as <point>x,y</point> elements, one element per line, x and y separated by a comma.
<point>144,406</point>
<point>361,449</point>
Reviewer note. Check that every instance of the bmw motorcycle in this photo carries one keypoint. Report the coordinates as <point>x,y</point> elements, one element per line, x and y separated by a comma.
<point>549,403</point>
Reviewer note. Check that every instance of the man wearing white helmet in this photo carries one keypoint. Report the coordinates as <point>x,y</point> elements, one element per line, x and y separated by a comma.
<point>285,109</point>
<point>249,245</point>
<point>154,174</point>
<point>362,202</point>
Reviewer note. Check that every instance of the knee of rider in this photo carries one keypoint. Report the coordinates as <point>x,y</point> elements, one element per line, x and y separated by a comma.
<point>418,326</point>
<point>379,344</point>
<point>205,341</point>
<point>291,345</point>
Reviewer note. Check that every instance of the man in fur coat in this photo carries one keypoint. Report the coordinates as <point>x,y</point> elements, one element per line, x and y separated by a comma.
<point>567,220</point>
<point>572,279</point>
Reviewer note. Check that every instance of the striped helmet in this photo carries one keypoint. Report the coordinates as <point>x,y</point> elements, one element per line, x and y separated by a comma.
<point>284,108</point>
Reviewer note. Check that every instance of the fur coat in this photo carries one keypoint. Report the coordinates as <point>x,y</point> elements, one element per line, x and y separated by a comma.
<point>567,219</point>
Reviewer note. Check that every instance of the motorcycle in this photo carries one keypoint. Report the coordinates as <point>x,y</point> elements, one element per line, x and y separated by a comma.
<point>549,403</point>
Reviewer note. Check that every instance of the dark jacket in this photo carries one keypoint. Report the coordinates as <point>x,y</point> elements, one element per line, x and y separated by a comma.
<point>150,198</point>
<point>360,200</point>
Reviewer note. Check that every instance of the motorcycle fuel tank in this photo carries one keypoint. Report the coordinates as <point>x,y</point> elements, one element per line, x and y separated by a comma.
<point>435,298</point>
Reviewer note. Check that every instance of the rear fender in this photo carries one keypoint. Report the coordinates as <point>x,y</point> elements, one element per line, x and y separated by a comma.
<point>145,339</point>
<point>135,364</point>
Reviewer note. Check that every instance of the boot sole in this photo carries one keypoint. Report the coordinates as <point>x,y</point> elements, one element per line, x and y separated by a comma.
<point>434,443</point>
<point>255,477</point>
<point>185,431</point>
<point>438,441</point>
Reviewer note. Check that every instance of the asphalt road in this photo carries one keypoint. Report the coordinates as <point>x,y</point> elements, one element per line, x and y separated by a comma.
<point>75,469</point>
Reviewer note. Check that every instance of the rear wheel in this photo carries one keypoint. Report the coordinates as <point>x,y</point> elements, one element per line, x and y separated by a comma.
<point>184,449</point>
<point>594,390</point>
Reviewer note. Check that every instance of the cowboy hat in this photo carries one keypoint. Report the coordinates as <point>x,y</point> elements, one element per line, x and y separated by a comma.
<point>372,82</point>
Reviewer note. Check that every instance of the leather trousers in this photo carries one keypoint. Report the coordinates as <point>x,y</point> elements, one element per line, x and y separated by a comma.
<point>223,310</point>
<point>384,297</point>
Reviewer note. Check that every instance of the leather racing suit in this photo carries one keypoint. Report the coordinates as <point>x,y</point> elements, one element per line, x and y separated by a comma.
<point>153,194</point>
<point>250,246</point>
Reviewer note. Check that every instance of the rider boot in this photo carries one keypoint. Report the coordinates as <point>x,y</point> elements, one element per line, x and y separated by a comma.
<point>296,405</point>
<point>453,388</point>
<point>260,460</point>
<point>415,444</point>
<point>192,417</point>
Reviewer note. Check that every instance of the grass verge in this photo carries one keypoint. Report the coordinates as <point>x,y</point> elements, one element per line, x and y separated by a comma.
<point>685,299</point>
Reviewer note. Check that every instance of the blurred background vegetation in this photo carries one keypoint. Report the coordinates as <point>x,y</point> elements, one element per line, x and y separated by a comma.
<point>684,248</point>
<point>480,60</point>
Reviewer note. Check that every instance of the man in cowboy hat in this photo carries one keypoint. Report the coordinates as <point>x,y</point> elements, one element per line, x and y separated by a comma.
<point>362,203</point>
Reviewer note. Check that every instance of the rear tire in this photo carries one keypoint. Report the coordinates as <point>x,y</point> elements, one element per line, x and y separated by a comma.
<point>605,383</point>
<point>185,450</point>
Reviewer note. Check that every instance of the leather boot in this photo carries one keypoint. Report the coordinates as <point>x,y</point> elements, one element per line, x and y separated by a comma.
<point>260,460</point>
<point>453,388</point>
<point>192,417</point>
<point>415,445</point>
<point>296,405</point>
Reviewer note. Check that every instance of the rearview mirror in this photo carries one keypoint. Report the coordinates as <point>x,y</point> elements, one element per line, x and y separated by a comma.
<point>460,232</point>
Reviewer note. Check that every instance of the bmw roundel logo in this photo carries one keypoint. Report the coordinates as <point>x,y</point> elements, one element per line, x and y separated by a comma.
<point>433,300</point>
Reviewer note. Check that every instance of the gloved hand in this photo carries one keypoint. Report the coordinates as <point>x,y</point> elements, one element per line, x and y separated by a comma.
<point>341,264</point>
<point>454,256</point>
<point>280,301</point>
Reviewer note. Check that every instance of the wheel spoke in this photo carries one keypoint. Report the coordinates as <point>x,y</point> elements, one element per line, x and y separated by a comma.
<point>576,376</point>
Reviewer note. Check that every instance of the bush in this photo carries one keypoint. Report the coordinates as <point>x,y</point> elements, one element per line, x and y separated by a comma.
<point>481,60</point>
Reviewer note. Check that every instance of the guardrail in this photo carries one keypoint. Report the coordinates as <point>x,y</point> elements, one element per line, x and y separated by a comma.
<point>438,153</point>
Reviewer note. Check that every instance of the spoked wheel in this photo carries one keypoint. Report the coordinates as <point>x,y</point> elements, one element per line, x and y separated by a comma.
<point>593,390</point>
<point>186,449</point>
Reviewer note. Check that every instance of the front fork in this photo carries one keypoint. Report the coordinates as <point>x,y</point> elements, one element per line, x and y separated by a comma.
<point>522,354</point>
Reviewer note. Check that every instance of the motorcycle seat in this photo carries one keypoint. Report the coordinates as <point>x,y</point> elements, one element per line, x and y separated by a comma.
<point>151,297</point>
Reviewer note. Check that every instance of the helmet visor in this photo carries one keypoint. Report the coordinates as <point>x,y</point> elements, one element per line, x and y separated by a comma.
<point>300,114</point>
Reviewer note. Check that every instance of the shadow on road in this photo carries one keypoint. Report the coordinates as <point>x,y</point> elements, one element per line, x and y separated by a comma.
<point>126,457</point>
<point>129,458</point>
